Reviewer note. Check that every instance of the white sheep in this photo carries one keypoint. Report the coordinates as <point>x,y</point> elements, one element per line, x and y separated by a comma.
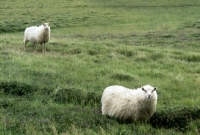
<point>37,35</point>
<point>127,104</point>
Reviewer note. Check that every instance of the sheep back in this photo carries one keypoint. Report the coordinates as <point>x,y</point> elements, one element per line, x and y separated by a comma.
<point>127,104</point>
<point>30,35</point>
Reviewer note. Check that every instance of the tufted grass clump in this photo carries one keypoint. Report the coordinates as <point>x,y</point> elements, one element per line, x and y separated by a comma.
<point>76,96</point>
<point>17,89</point>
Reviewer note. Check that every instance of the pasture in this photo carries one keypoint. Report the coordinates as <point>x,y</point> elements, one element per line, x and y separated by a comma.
<point>95,44</point>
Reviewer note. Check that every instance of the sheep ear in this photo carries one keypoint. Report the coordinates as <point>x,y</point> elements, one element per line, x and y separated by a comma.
<point>49,23</point>
<point>143,89</point>
<point>154,89</point>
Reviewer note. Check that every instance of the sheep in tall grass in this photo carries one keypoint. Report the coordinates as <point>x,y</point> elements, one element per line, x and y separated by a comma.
<point>127,104</point>
<point>37,35</point>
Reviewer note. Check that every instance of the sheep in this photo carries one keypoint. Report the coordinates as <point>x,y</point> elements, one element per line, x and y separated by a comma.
<point>127,104</point>
<point>37,35</point>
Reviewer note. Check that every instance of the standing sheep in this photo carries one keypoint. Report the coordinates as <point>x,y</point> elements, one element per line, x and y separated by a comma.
<point>127,104</point>
<point>37,35</point>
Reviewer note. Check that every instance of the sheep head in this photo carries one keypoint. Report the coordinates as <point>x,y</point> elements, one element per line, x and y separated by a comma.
<point>46,26</point>
<point>149,90</point>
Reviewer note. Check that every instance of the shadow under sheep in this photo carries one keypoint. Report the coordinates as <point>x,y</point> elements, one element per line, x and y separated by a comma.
<point>177,119</point>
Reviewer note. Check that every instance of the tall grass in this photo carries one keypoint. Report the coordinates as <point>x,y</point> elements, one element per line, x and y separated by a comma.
<point>95,44</point>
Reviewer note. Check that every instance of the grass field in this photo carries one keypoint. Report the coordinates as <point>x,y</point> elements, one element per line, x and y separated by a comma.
<point>95,44</point>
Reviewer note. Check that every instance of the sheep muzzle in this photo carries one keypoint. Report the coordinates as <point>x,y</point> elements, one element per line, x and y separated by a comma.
<point>148,96</point>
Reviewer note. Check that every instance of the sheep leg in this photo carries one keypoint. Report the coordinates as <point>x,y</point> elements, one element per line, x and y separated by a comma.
<point>44,48</point>
<point>35,46</point>
<point>25,46</point>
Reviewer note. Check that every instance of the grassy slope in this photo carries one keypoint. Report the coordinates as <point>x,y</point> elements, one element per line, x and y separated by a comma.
<point>95,44</point>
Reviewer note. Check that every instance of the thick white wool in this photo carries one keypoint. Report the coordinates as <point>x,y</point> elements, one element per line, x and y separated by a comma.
<point>127,104</point>
<point>37,35</point>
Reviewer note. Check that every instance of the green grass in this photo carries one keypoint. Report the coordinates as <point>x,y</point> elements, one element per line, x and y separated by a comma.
<point>95,44</point>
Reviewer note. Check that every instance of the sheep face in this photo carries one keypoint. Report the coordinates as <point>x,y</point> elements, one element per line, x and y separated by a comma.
<point>149,90</point>
<point>46,26</point>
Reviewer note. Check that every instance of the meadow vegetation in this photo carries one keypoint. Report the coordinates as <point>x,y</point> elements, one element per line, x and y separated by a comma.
<point>95,44</point>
